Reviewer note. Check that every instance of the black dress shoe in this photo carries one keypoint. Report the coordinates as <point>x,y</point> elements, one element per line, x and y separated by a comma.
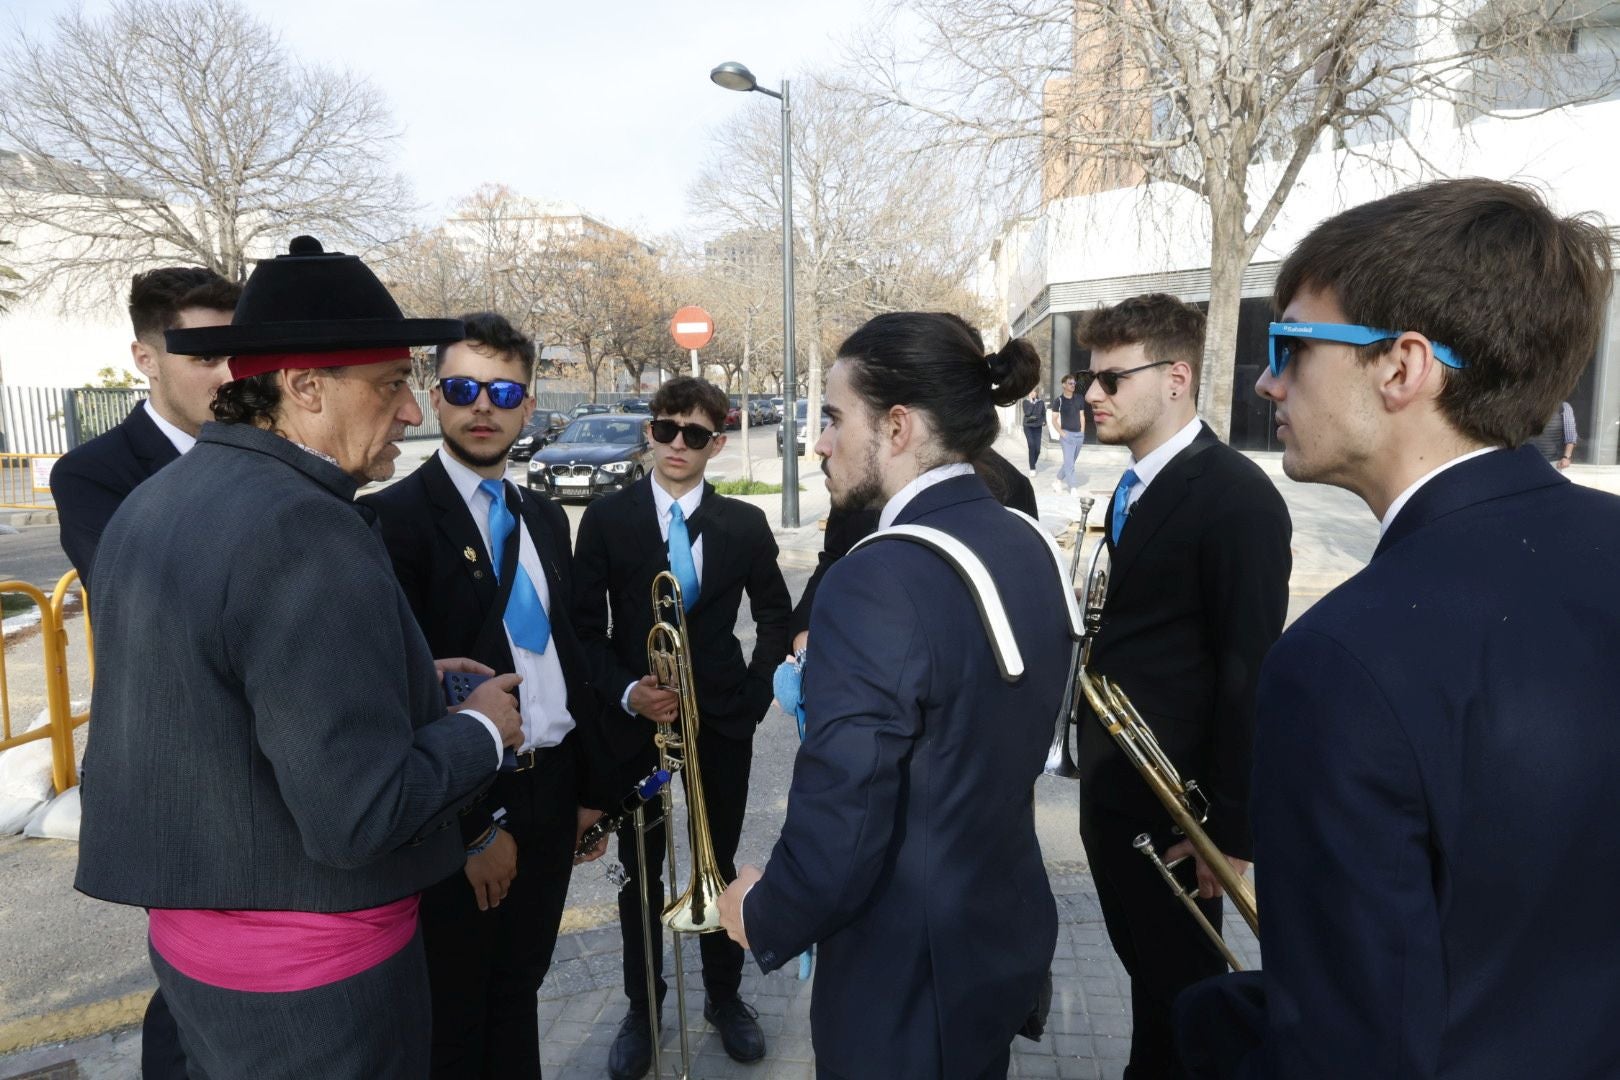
<point>738,1025</point>
<point>631,1055</point>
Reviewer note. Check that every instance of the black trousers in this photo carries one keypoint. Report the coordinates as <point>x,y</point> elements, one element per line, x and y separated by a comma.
<point>485,967</point>
<point>1155,937</point>
<point>162,1057</point>
<point>1032,435</point>
<point>725,764</point>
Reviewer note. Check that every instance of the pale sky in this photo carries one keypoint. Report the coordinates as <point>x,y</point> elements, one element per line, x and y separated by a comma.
<point>605,104</point>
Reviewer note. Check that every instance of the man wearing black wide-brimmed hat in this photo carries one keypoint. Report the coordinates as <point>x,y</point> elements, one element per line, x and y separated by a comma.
<point>271,769</point>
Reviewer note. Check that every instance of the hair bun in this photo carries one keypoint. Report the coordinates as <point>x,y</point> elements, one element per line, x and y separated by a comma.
<point>1014,368</point>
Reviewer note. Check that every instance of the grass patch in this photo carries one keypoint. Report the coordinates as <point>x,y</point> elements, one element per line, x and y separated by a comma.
<point>748,487</point>
<point>14,604</point>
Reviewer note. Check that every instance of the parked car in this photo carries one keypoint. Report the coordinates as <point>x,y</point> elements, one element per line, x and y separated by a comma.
<point>634,406</point>
<point>776,406</point>
<point>800,407</point>
<point>593,456</point>
<point>542,428</point>
<point>589,408</point>
<point>733,413</point>
<point>760,412</point>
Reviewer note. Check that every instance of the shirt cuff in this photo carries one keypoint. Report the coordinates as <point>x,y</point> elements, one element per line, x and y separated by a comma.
<point>494,733</point>
<point>624,702</point>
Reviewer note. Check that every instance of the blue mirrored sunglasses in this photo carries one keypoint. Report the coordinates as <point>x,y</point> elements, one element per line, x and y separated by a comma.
<point>1286,336</point>
<point>503,393</point>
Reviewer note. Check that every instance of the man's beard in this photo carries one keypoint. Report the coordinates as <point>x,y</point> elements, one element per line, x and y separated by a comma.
<point>865,493</point>
<point>477,461</point>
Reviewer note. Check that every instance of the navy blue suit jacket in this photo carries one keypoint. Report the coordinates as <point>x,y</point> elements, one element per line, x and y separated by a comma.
<point>1435,753</point>
<point>909,849</point>
<point>93,480</point>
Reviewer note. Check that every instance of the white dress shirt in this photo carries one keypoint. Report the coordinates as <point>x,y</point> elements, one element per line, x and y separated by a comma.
<point>1404,497</point>
<point>182,441</point>
<point>543,694</point>
<point>1153,463</point>
<point>662,502</point>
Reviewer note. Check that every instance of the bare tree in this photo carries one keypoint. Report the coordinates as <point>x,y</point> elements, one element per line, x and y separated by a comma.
<point>182,130</point>
<point>881,223</point>
<point>1224,100</point>
<point>8,296</point>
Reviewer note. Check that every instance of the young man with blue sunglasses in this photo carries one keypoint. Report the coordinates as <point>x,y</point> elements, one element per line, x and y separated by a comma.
<point>1435,737</point>
<point>489,929</point>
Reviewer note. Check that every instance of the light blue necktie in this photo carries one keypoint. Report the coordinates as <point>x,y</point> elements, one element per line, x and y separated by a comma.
<point>1122,502</point>
<point>525,616</point>
<point>680,557</point>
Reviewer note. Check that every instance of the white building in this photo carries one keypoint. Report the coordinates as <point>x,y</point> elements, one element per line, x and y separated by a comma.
<point>1097,249</point>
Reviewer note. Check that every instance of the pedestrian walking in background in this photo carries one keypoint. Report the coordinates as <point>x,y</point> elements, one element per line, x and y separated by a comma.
<point>1557,439</point>
<point>1034,421</point>
<point>1067,422</point>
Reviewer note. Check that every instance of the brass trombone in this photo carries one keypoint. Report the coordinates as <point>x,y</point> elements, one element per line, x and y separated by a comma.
<point>1186,804</point>
<point>669,658</point>
<point>697,910</point>
<point>1059,761</point>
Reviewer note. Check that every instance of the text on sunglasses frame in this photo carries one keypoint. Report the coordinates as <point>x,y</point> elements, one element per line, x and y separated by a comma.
<point>696,436</point>
<point>461,391</point>
<point>1110,379</point>
<point>1281,337</point>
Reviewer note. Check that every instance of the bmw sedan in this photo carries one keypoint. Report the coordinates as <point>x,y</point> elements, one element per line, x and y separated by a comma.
<point>542,428</point>
<point>595,455</point>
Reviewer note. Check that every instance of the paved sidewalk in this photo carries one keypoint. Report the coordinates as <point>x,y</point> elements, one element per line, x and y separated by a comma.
<point>581,1006</point>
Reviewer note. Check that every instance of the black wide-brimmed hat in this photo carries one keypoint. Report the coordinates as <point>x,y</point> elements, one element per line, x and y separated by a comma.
<point>311,301</point>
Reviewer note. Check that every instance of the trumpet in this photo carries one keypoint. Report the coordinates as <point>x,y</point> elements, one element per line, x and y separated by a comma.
<point>1185,802</point>
<point>1059,762</point>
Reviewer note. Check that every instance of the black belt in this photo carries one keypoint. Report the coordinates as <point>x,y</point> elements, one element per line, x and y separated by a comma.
<point>528,759</point>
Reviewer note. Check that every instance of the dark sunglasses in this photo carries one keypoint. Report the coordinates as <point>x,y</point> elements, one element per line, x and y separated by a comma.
<point>1110,379</point>
<point>503,393</point>
<point>696,435</point>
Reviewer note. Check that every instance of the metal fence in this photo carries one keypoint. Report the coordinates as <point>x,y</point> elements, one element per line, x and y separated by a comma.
<point>33,420</point>
<point>25,481</point>
<point>53,420</point>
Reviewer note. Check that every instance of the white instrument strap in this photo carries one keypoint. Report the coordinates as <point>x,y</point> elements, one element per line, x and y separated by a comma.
<point>986,596</point>
<point>1077,626</point>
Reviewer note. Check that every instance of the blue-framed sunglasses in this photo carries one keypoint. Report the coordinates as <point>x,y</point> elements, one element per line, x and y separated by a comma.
<point>503,393</point>
<point>1286,336</point>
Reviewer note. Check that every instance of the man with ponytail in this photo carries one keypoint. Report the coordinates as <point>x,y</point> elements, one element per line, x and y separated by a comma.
<point>909,852</point>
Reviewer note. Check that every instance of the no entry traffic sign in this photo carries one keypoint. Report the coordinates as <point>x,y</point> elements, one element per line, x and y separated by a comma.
<point>691,328</point>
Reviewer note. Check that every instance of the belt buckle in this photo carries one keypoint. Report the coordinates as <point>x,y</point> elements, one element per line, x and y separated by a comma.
<point>525,760</point>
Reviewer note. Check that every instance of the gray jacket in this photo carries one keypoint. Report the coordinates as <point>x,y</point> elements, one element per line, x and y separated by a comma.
<point>267,729</point>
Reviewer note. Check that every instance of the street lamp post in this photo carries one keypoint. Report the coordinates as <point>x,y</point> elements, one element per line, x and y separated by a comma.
<point>734,76</point>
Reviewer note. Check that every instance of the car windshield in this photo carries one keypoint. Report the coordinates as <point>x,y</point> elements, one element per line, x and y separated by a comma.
<point>602,431</point>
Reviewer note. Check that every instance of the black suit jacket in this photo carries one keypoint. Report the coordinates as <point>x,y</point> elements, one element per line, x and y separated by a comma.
<point>619,552</point>
<point>428,530</point>
<point>1198,593</point>
<point>92,481</point>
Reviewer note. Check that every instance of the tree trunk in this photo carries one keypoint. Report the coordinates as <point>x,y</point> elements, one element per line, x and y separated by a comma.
<point>812,408</point>
<point>1226,264</point>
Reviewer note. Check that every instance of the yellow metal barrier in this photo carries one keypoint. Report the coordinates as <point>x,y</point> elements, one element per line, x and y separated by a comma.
<point>25,481</point>
<point>53,643</point>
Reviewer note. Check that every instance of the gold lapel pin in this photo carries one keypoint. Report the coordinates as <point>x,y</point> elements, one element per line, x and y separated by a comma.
<point>471,555</point>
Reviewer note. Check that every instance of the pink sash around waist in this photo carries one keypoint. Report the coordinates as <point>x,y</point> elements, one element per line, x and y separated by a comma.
<point>280,951</point>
